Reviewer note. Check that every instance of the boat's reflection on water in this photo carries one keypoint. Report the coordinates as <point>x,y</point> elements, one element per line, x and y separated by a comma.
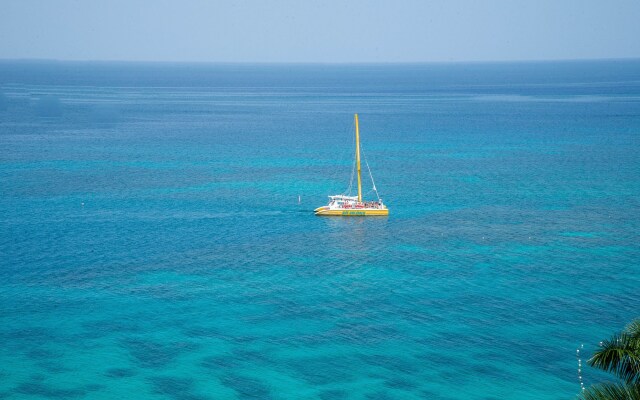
<point>359,232</point>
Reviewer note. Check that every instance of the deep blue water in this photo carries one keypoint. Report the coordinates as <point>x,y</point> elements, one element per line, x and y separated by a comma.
<point>152,244</point>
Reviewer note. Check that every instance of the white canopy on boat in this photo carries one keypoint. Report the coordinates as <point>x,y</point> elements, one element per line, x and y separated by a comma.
<point>343,197</point>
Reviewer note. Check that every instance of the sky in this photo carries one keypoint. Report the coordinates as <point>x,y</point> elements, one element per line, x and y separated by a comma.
<point>325,31</point>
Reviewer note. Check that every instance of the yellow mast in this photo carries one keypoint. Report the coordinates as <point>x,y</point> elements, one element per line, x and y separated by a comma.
<point>358,160</point>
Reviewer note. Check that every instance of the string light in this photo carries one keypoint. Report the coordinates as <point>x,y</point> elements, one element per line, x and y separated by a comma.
<point>580,367</point>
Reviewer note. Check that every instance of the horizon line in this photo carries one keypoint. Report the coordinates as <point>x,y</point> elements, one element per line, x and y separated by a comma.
<point>187,62</point>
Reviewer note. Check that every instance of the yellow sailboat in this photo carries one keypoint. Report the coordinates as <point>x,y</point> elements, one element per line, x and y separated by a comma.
<point>342,205</point>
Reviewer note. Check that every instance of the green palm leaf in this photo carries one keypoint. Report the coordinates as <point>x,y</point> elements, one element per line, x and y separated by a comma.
<point>619,355</point>
<point>634,328</point>
<point>611,391</point>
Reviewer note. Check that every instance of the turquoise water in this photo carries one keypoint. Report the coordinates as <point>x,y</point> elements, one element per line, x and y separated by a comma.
<point>152,244</point>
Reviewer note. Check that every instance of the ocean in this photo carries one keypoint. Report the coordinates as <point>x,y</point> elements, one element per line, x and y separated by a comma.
<point>157,236</point>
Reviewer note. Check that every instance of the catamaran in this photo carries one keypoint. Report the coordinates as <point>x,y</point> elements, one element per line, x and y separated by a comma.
<point>343,205</point>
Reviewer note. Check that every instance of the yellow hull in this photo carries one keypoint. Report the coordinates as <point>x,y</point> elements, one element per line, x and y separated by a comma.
<point>322,211</point>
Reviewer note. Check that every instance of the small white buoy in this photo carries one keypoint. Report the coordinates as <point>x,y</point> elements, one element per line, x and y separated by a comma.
<point>299,199</point>
<point>82,204</point>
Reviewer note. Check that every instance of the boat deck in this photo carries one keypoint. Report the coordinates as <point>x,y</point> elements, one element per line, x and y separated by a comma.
<point>351,212</point>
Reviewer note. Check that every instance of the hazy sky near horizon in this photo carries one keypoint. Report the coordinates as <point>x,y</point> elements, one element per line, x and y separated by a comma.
<point>319,31</point>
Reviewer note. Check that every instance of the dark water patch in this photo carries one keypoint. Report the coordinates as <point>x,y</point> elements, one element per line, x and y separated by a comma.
<point>150,354</point>
<point>382,395</point>
<point>290,309</point>
<point>494,355</point>
<point>251,356</point>
<point>30,337</point>
<point>202,332</point>
<point>37,388</point>
<point>424,315</point>
<point>303,339</point>
<point>464,342</point>
<point>428,394</point>
<point>36,377</point>
<point>235,338</point>
<point>53,366</point>
<point>175,388</point>
<point>119,373</point>
<point>438,358</point>
<point>219,363</point>
<point>246,387</point>
<point>234,359</point>
<point>322,371</point>
<point>548,360</point>
<point>542,355</point>
<point>243,339</point>
<point>212,332</point>
<point>93,387</point>
<point>362,333</point>
<point>454,377</point>
<point>166,292</point>
<point>392,363</point>
<point>107,327</point>
<point>333,395</point>
<point>397,382</point>
<point>489,370</point>
<point>41,353</point>
<point>46,305</point>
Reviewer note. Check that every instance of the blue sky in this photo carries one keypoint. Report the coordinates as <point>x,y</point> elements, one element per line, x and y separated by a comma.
<point>319,31</point>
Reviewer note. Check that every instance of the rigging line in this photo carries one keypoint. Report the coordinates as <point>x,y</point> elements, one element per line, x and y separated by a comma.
<point>370,174</point>
<point>353,169</point>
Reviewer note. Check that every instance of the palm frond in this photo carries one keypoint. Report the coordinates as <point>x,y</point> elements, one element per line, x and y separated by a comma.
<point>619,355</point>
<point>611,391</point>
<point>633,328</point>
